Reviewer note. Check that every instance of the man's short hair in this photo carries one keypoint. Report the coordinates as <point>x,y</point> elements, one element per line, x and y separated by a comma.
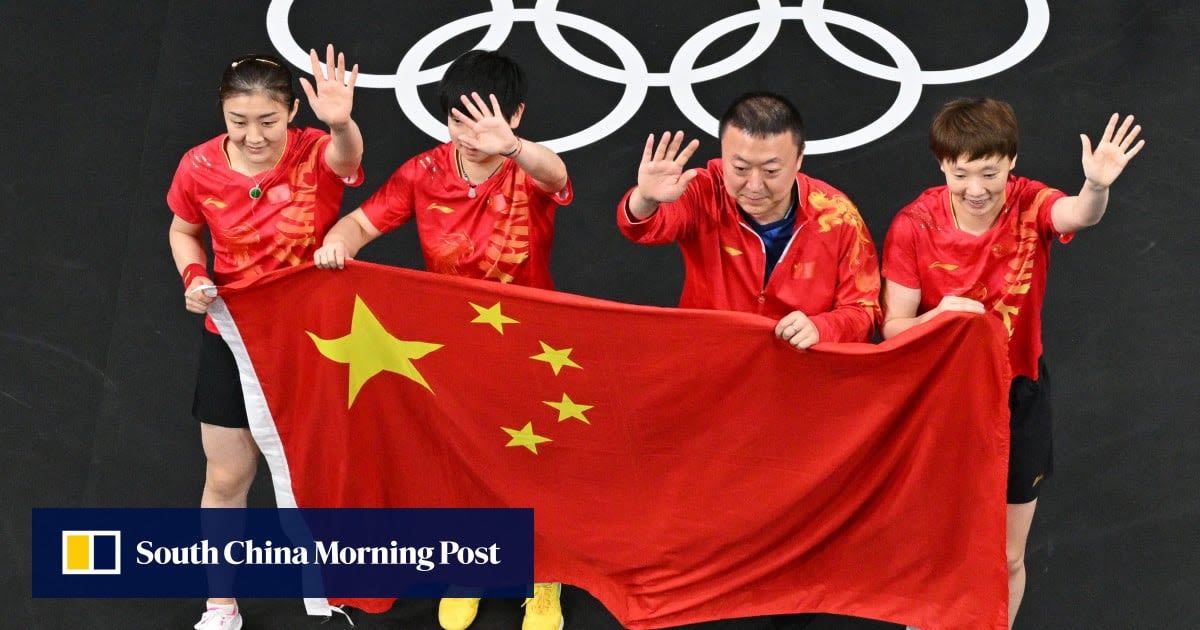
<point>763,114</point>
<point>975,128</point>
<point>486,72</point>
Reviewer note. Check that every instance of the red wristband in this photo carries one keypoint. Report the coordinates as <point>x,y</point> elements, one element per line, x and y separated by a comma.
<point>193,271</point>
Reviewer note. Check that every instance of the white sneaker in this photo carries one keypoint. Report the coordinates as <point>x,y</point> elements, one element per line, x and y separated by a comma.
<point>220,617</point>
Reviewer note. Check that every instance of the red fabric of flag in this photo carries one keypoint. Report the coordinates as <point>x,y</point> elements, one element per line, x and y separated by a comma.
<point>683,465</point>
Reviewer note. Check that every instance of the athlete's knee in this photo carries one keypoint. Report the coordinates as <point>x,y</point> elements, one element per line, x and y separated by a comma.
<point>1016,559</point>
<point>229,479</point>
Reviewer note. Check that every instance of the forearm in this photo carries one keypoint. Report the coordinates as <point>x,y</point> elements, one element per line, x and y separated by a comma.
<point>659,227</point>
<point>848,323</point>
<point>895,325</point>
<point>1071,214</point>
<point>1090,204</point>
<point>345,151</point>
<point>350,232</point>
<point>640,208</point>
<point>186,249</point>
<point>856,313</point>
<point>543,165</point>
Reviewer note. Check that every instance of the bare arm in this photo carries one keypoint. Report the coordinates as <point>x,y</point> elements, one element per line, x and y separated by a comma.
<point>187,249</point>
<point>900,305</point>
<point>344,154</point>
<point>543,165</point>
<point>1100,169</point>
<point>332,99</point>
<point>344,239</point>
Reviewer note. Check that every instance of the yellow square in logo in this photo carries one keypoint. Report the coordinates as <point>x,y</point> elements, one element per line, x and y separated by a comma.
<point>79,552</point>
<point>91,552</point>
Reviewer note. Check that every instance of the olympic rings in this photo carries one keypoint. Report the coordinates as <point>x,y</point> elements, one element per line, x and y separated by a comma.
<point>682,75</point>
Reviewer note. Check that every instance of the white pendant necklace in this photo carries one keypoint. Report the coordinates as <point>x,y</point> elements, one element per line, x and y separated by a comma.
<point>462,172</point>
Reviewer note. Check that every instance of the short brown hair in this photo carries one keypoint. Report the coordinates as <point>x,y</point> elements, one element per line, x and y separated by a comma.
<point>974,127</point>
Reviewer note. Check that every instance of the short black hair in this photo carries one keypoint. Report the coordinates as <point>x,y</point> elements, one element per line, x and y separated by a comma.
<point>486,72</point>
<point>762,114</point>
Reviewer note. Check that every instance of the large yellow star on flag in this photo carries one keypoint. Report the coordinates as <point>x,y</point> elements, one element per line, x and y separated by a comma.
<point>370,349</point>
<point>493,316</point>
<point>568,408</point>
<point>556,357</point>
<point>525,437</point>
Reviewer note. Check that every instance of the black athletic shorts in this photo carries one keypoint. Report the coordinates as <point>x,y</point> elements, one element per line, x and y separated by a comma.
<point>218,387</point>
<point>1031,452</point>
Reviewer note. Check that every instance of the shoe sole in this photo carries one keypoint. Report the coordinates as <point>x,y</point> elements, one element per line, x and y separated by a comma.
<point>561,623</point>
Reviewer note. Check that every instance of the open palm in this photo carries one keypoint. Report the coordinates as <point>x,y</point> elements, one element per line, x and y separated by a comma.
<point>660,175</point>
<point>331,94</point>
<point>1102,166</point>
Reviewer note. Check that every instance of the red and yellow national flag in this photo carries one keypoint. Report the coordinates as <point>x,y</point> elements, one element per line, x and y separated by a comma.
<point>683,465</point>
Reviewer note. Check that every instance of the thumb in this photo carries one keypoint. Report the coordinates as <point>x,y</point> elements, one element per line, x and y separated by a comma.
<point>1087,143</point>
<point>687,176</point>
<point>308,89</point>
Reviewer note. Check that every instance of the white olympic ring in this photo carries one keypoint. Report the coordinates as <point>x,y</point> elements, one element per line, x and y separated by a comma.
<point>682,75</point>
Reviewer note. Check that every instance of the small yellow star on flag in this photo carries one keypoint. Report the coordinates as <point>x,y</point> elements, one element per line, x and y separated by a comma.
<point>568,408</point>
<point>525,437</point>
<point>493,316</point>
<point>556,357</point>
<point>370,349</point>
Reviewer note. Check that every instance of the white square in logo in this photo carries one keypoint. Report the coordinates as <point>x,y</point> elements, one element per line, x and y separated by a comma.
<point>91,552</point>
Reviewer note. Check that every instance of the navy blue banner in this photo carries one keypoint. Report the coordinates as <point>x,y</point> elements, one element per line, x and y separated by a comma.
<point>282,553</point>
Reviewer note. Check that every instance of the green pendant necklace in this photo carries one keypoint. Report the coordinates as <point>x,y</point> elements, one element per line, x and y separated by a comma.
<point>256,191</point>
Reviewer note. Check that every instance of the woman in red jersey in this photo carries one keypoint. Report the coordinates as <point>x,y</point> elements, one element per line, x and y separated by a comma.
<point>266,193</point>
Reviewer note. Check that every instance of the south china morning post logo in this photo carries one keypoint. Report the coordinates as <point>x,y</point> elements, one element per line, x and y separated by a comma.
<point>334,553</point>
<point>282,552</point>
<point>91,552</point>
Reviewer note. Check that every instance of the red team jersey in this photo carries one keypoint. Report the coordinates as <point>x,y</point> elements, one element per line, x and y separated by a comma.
<point>300,200</point>
<point>1004,268</point>
<point>504,233</point>
<point>829,270</point>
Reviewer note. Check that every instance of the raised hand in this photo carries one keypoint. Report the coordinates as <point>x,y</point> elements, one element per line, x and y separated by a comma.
<point>486,129</point>
<point>331,95</point>
<point>661,177</point>
<point>1102,166</point>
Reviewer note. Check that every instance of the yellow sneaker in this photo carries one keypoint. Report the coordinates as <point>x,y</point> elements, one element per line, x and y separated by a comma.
<point>457,613</point>
<point>543,611</point>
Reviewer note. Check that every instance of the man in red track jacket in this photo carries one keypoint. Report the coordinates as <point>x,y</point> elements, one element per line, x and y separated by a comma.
<point>756,234</point>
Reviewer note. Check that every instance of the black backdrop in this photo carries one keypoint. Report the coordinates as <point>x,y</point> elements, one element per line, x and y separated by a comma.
<point>98,354</point>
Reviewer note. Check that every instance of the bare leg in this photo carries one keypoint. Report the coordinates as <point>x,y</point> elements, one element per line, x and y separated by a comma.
<point>1020,520</point>
<point>232,461</point>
